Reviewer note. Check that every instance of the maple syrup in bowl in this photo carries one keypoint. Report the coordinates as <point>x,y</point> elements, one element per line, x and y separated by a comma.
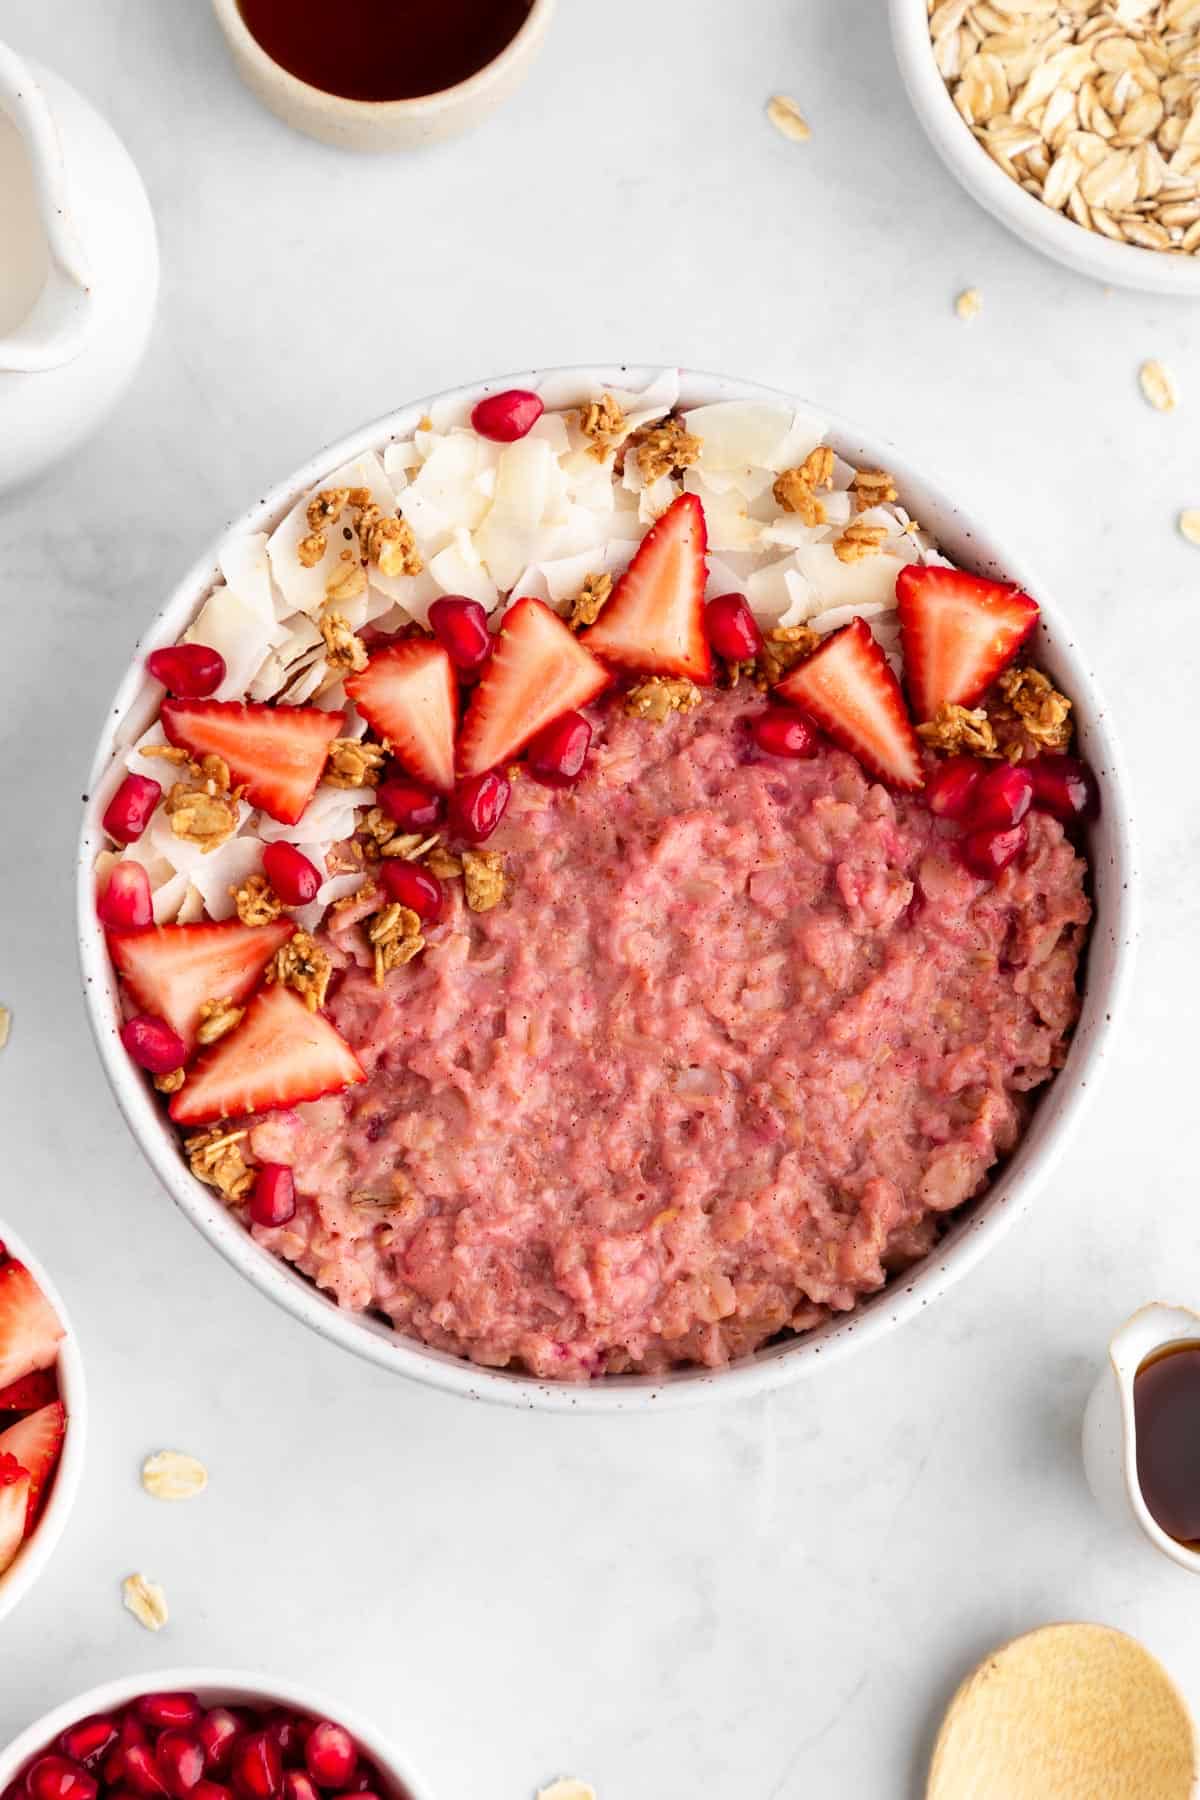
<point>1166,1408</point>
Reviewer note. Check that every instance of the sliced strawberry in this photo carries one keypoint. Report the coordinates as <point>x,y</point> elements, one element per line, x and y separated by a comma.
<point>14,1508</point>
<point>36,1443</point>
<point>279,1055</point>
<point>278,752</point>
<point>848,687</point>
<point>407,694</point>
<point>29,1329</point>
<point>171,970</point>
<point>538,671</point>
<point>30,1392</point>
<point>957,632</point>
<point>654,620</point>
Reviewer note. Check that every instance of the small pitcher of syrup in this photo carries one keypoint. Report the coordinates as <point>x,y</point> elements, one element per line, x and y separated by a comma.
<point>1141,1431</point>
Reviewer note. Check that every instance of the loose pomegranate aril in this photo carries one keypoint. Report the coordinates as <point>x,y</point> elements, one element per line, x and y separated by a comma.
<point>129,811</point>
<point>1001,799</point>
<point>209,1790</point>
<point>290,873</point>
<point>732,628</point>
<point>125,903</point>
<point>258,1766</point>
<point>409,805</point>
<point>291,1734</point>
<point>557,754</point>
<point>153,1045</point>
<point>508,416</point>
<point>133,1731</point>
<point>180,1760</point>
<point>273,1201</point>
<point>949,789</point>
<point>1065,787</point>
<point>478,805</point>
<point>297,1785</point>
<point>89,1740</point>
<point>189,671</point>
<point>141,1771</point>
<point>988,853</point>
<point>781,732</point>
<point>58,1778</point>
<point>330,1754</point>
<point>415,887</point>
<point>217,1731</point>
<point>461,628</point>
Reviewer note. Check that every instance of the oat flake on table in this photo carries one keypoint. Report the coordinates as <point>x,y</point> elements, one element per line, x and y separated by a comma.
<point>787,118</point>
<point>567,1789</point>
<point>1189,524</point>
<point>172,1475</point>
<point>1158,386</point>
<point>969,304</point>
<point>5,1025</point>
<point>146,1601</point>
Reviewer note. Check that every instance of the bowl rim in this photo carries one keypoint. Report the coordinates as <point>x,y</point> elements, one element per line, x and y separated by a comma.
<point>221,1686</point>
<point>772,1366</point>
<point>35,1553</point>
<point>1057,236</point>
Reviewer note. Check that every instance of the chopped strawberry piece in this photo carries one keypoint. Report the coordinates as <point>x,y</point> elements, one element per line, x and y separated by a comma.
<point>14,1508</point>
<point>277,752</point>
<point>848,687</point>
<point>407,694</point>
<point>30,1392</point>
<point>36,1442</point>
<point>29,1329</point>
<point>538,670</point>
<point>279,1055</point>
<point>654,619</point>
<point>171,970</point>
<point>957,632</point>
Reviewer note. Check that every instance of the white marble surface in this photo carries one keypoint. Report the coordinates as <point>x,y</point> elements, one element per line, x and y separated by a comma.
<point>765,1602</point>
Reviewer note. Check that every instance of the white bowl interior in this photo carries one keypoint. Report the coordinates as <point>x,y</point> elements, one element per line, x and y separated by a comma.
<point>1110,848</point>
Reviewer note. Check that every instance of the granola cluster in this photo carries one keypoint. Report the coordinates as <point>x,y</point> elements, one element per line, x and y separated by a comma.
<point>216,1157</point>
<point>1023,716</point>
<point>255,901</point>
<point>660,696</point>
<point>384,539</point>
<point>602,422</point>
<point>589,601</point>
<point>667,448</point>
<point>203,806</point>
<point>303,966</point>
<point>353,763</point>
<point>796,489</point>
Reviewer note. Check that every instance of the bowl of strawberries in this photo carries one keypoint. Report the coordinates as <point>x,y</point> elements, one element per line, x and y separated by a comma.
<point>42,1419</point>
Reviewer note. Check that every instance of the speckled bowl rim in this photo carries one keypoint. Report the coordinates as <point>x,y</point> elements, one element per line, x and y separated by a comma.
<point>1111,851</point>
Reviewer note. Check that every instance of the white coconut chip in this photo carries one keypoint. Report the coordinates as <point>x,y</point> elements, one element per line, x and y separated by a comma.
<point>329,816</point>
<point>746,434</point>
<point>336,888</point>
<point>459,569</point>
<point>239,633</point>
<point>850,584</point>
<point>223,870</point>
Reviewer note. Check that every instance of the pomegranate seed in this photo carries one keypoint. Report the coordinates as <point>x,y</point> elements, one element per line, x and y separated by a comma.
<point>128,812</point>
<point>217,1730</point>
<point>508,416</point>
<point>409,805</point>
<point>258,1766</point>
<point>290,873</point>
<point>141,1771</point>
<point>192,671</point>
<point>988,853</point>
<point>180,1760</point>
<point>86,1742</point>
<point>1065,787</point>
<point>291,1734</point>
<point>781,732</point>
<point>461,628</point>
<point>732,628</point>
<point>153,1045</point>
<point>133,1731</point>
<point>478,805</point>
<point>330,1754</point>
<point>58,1778</point>
<point>414,887</point>
<point>299,1786</point>
<point>557,754</point>
<point>125,903</point>
<point>208,1790</point>
<point>1001,799</point>
<point>949,789</point>
<point>274,1199</point>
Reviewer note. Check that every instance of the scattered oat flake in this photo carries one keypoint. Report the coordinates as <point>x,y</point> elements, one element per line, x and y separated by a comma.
<point>969,304</point>
<point>146,1601</point>
<point>1189,524</point>
<point>5,1025</point>
<point>171,1475</point>
<point>1158,388</point>
<point>567,1789</point>
<point>787,119</point>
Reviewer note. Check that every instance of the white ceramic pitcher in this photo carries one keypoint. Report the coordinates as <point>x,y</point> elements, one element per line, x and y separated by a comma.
<point>85,236</point>
<point>1110,1429</point>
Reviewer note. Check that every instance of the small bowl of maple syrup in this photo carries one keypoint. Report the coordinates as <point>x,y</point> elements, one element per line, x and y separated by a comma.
<point>383,74</point>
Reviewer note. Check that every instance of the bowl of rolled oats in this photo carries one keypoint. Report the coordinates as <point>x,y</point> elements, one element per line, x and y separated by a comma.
<point>1076,123</point>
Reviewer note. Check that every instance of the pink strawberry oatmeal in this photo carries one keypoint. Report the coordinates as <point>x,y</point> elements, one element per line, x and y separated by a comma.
<point>742,1036</point>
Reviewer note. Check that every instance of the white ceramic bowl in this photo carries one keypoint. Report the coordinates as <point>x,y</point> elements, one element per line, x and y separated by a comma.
<point>965,538</point>
<point>216,1687</point>
<point>36,1552</point>
<point>1054,234</point>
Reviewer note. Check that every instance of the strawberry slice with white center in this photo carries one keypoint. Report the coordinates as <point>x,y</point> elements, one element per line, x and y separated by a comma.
<point>537,671</point>
<point>36,1442</point>
<point>957,632</point>
<point>171,970</point>
<point>848,687</point>
<point>279,1055</point>
<point>30,1332</point>
<point>654,619</point>
<point>277,752</point>
<point>14,1508</point>
<point>408,695</point>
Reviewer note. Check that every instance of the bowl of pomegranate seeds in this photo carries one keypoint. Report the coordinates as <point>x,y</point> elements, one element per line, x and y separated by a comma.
<point>606,887</point>
<point>203,1735</point>
<point>42,1419</point>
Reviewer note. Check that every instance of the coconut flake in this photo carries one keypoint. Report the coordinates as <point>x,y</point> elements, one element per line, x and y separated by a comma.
<point>845,584</point>
<point>329,816</point>
<point>748,434</point>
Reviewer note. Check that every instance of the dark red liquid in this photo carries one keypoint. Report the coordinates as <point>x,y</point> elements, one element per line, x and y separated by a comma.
<point>1166,1411</point>
<point>384,49</point>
